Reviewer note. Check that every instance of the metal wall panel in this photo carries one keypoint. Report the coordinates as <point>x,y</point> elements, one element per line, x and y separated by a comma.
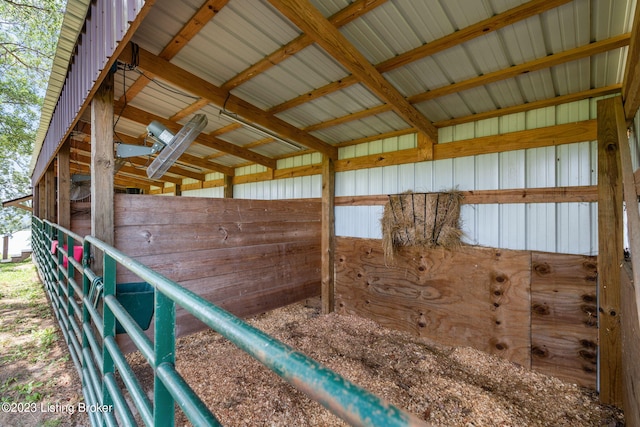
<point>565,227</point>
<point>95,46</point>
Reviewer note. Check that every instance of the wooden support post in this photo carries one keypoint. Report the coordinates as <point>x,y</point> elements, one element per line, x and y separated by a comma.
<point>630,294</point>
<point>5,246</point>
<point>425,147</point>
<point>228,187</point>
<point>36,201</point>
<point>102,163</point>
<point>328,234</point>
<point>611,133</point>
<point>50,193</point>
<point>64,186</point>
<point>177,190</point>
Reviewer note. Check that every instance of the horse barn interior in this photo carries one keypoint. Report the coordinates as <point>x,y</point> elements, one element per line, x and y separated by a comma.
<point>252,154</point>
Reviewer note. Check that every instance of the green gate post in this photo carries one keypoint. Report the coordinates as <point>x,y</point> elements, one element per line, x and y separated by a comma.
<point>70,277</point>
<point>164,337</point>
<point>109,324</point>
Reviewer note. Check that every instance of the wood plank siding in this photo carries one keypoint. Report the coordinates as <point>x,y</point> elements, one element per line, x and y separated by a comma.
<point>247,256</point>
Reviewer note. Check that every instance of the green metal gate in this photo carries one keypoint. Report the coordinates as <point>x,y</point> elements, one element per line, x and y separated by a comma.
<point>91,309</point>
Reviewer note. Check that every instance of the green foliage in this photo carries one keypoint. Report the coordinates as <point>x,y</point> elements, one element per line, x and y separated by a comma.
<point>28,35</point>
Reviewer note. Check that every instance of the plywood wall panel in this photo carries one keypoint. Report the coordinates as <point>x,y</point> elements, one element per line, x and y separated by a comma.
<point>535,309</point>
<point>473,296</point>
<point>564,330</point>
<point>630,319</point>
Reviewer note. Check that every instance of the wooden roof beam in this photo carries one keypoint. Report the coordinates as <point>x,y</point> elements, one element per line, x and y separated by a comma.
<point>200,162</point>
<point>79,159</point>
<point>144,117</point>
<point>219,97</point>
<point>206,13</point>
<point>516,70</point>
<point>528,106</point>
<point>77,156</point>
<point>501,20</point>
<point>343,17</point>
<point>549,61</point>
<point>631,81</point>
<point>309,19</point>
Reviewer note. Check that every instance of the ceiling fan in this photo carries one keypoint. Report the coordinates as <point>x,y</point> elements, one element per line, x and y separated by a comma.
<point>169,146</point>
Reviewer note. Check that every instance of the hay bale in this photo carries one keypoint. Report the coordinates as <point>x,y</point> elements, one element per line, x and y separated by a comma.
<point>428,220</point>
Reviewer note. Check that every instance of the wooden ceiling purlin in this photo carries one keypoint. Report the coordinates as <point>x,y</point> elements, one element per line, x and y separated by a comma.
<point>191,109</point>
<point>527,67</point>
<point>144,117</point>
<point>81,152</point>
<point>631,81</point>
<point>528,106</point>
<point>511,16</point>
<point>206,13</point>
<point>339,19</point>
<point>535,65</point>
<point>309,19</point>
<point>219,97</point>
<point>119,182</point>
<point>199,162</point>
<point>563,99</point>
<point>78,158</point>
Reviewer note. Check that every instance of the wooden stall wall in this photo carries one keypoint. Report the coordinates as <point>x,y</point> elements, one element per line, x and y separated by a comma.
<point>247,256</point>
<point>630,345</point>
<point>532,308</point>
<point>81,218</point>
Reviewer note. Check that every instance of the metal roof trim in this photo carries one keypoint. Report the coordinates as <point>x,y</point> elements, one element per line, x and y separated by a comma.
<point>72,23</point>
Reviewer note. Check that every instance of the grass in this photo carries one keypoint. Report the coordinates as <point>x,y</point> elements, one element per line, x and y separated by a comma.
<point>34,361</point>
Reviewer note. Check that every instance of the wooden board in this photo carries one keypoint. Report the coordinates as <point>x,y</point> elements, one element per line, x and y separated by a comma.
<point>564,328</point>
<point>246,256</point>
<point>142,209</point>
<point>611,135</point>
<point>536,309</point>
<point>630,319</point>
<point>474,296</point>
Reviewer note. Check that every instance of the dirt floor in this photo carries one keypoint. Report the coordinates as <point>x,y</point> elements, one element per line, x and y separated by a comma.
<point>444,386</point>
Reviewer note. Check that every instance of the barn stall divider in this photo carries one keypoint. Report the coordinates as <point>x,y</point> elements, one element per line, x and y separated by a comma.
<point>89,311</point>
<point>249,256</point>
<point>533,308</point>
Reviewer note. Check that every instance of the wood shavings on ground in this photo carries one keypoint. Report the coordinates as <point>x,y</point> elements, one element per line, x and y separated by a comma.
<point>445,386</point>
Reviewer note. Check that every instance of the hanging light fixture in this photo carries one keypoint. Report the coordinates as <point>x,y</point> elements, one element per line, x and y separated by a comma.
<point>265,132</point>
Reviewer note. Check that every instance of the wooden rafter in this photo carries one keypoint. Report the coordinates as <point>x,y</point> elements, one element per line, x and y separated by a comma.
<point>481,28</point>
<point>140,116</point>
<point>310,20</point>
<point>538,64</point>
<point>217,96</point>
<point>549,61</point>
<point>341,18</point>
<point>631,81</point>
<point>563,99</point>
<point>81,158</point>
<point>80,147</point>
<point>199,162</point>
<point>19,203</point>
<point>179,41</point>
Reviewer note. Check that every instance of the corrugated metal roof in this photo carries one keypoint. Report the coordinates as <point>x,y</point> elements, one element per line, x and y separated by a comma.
<point>245,32</point>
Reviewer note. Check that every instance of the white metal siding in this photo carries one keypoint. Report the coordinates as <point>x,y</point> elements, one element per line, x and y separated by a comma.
<point>561,227</point>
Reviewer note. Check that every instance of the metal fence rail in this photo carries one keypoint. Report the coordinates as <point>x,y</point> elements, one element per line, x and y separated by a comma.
<point>88,308</point>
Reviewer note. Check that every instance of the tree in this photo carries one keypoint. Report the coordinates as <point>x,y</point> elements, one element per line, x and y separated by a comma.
<point>28,36</point>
